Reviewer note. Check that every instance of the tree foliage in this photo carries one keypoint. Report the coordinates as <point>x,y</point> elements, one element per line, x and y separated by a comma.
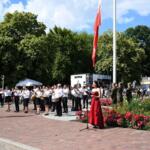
<point>129,57</point>
<point>27,51</point>
<point>141,34</point>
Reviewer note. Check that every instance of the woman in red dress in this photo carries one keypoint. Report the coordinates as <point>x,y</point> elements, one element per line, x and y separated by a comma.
<point>96,116</point>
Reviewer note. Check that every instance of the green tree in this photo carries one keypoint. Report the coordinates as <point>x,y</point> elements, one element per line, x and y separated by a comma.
<point>141,34</point>
<point>129,57</point>
<point>34,53</point>
<point>70,48</point>
<point>13,30</point>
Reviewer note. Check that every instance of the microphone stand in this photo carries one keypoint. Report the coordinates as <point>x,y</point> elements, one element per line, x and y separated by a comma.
<point>87,124</point>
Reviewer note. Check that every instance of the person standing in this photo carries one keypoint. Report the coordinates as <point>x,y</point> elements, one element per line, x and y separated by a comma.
<point>46,94</point>
<point>129,93</point>
<point>78,92</point>
<point>73,98</point>
<point>114,94</point>
<point>85,96</point>
<point>8,99</point>
<point>16,95</point>
<point>53,107</point>
<point>38,94</point>
<point>1,97</point>
<point>26,97</point>
<point>58,98</point>
<point>65,98</point>
<point>95,115</point>
<point>120,93</point>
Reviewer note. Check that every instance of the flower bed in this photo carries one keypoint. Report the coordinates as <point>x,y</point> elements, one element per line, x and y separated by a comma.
<point>106,101</point>
<point>112,118</point>
<point>115,119</point>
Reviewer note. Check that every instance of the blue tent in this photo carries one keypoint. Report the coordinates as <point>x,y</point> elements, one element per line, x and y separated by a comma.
<point>28,82</point>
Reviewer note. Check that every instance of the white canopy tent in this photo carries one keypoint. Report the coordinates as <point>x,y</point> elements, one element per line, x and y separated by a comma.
<point>28,82</point>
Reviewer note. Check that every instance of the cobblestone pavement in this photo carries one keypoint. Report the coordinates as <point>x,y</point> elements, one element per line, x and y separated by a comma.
<point>46,134</point>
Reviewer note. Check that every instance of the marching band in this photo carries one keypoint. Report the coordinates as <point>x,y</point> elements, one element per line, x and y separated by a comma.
<point>54,98</point>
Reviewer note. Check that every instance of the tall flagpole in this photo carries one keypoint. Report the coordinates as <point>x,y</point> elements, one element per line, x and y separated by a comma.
<point>114,43</point>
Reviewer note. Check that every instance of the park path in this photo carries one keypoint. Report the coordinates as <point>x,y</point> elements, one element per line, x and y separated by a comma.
<point>46,134</point>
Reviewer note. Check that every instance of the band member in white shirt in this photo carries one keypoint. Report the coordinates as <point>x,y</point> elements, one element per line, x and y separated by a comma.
<point>38,94</point>
<point>16,96</point>
<point>73,97</point>
<point>53,107</point>
<point>65,98</point>
<point>26,97</point>
<point>46,94</point>
<point>58,96</point>
<point>1,97</point>
<point>50,97</point>
<point>78,92</point>
<point>85,96</point>
<point>8,95</point>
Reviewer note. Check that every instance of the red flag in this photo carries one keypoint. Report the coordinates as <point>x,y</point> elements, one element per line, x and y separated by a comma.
<point>96,29</point>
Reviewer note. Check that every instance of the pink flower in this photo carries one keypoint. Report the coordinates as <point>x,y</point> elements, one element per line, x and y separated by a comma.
<point>136,117</point>
<point>128,116</point>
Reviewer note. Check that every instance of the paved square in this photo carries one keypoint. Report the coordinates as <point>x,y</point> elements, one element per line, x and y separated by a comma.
<point>47,134</point>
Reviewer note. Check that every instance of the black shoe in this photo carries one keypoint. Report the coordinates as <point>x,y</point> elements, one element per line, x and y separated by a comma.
<point>46,114</point>
<point>26,112</point>
<point>95,127</point>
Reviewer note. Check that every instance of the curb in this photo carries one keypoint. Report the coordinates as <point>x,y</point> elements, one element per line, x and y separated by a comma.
<point>6,144</point>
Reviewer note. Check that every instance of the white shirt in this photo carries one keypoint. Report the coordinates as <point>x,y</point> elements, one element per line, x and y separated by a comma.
<point>79,92</point>
<point>7,93</point>
<point>17,93</point>
<point>85,90</point>
<point>58,93</point>
<point>46,93</point>
<point>26,94</point>
<point>73,93</point>
<point>65,92</point>
<point>53,95</point>
<point>38,93</point>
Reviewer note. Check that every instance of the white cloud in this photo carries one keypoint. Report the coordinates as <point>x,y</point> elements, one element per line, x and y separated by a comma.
<point>76,14</point>
<point>19,6</point>
<point>124,7</point>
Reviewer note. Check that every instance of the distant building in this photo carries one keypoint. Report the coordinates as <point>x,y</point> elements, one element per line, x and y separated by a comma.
<point>89,78</point>
<point>145,83</point>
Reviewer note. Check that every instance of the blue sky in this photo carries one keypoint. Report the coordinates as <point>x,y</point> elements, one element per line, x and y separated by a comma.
<point>79,15</point>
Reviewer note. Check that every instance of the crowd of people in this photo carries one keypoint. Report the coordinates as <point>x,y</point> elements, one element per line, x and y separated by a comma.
<point>46,98</point>
<point>55,98</point>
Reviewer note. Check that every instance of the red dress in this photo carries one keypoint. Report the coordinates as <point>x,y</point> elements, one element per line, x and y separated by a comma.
<point>96,116</point>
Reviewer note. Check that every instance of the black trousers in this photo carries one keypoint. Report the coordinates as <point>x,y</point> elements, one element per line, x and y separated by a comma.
<point>73,103</point>
<point>53,107</point>
<point>1,100</point>
<point>59,107</point>
<point>42,106</point>
<point>65,104</point>
<point>50,101</point>
<point>17,103</point>
<point>85,100</point>
<point>78,105</point>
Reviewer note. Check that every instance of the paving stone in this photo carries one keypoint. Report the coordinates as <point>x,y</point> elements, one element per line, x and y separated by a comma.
<point>48,134</point>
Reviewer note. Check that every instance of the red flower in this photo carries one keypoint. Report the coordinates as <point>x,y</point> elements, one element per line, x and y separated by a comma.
<point>136,117</point>
<point>119,121</point>
<point>128,116</point>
